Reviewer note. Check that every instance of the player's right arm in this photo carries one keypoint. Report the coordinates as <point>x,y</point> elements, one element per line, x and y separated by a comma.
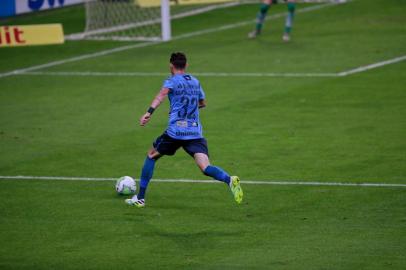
<point>159,98</point>
<point>202,97</point>
<point>202,103</point>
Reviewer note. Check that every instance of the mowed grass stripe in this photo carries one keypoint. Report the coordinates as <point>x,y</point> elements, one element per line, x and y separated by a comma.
<point>249,182</point>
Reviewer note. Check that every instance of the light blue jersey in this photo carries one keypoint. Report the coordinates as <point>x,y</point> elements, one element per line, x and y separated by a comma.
<point>184,95</point>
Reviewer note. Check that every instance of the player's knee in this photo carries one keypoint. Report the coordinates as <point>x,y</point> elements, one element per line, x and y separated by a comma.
<point>264,9</point>
<point>202,161</point>
<point>153,154</point>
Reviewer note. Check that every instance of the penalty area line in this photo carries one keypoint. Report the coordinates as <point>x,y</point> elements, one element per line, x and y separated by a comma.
<point>372,66</point>
<point>217,74</point>
<point>245,182</point>
<point>160,74</point>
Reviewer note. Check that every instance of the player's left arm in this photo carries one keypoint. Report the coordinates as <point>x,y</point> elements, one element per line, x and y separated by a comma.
<point>159,98</point>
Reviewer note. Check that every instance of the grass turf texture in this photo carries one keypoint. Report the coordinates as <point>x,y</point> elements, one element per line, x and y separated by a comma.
<point>325,129</point>
<point>71,225</point>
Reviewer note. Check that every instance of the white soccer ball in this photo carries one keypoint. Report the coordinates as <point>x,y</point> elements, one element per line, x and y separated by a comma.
<point>126,185</point>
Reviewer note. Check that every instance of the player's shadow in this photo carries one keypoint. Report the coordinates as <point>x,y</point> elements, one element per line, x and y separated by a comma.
<point>195,236</point>
<point>192,240</point>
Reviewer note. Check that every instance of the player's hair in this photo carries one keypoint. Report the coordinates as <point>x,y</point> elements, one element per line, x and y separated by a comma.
<point>178,60</point>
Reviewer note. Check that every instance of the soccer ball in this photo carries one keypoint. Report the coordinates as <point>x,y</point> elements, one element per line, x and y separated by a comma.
<point>126,185</point>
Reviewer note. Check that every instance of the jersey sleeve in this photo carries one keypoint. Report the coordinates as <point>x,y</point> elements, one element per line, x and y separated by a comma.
<point>201,94</point>
<point>168,83</point>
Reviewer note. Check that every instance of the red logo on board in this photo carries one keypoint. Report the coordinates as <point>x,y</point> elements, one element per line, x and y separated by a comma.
<point>9,35</point>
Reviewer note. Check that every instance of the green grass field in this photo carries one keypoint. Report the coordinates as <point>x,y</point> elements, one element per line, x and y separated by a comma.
<point>325,129</point>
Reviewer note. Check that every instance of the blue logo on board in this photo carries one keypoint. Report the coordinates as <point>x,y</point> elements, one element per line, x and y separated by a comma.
<point>37,4</point>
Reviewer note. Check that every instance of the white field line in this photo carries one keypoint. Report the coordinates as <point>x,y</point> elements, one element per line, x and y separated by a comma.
<point>246,182</point>
<point>372,66</point>
<point>220,74</point>
<point>88,34</point>
<point>77,58</point>
<point>161,74</point>
<point>147,44</point>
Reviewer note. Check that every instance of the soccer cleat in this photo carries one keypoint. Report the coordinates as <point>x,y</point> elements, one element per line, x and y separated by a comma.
<point>253,34</point>
<point>134,201</point>
<point>236,188</point>
<point>286,37</point>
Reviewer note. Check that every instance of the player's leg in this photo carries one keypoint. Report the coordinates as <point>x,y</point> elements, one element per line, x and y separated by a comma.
<point>148,171</point>
<point>146,175</point>
<point>203,162</point>
<point>263,10</point>
<point>289,19</point>
<point>198,149</point>
<point>163,145</point>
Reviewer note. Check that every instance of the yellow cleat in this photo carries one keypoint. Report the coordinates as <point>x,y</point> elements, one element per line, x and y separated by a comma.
<point>236,189</point>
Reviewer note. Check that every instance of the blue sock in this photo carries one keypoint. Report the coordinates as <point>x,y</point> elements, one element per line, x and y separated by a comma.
<point>146,175</point>
<point>217,173</point>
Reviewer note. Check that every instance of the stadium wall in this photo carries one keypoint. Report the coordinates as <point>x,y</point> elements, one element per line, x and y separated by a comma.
<point>9,8</point>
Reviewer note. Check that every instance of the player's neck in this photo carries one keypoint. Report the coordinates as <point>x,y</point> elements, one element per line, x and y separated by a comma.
<point>178,71</point>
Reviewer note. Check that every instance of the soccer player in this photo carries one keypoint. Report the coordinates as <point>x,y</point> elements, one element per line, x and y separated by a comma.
<point>266,4</point>
<point>184,130</point>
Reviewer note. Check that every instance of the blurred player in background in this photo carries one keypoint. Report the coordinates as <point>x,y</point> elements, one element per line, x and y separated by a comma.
<point>263,10</point>
<point>186,97</point>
